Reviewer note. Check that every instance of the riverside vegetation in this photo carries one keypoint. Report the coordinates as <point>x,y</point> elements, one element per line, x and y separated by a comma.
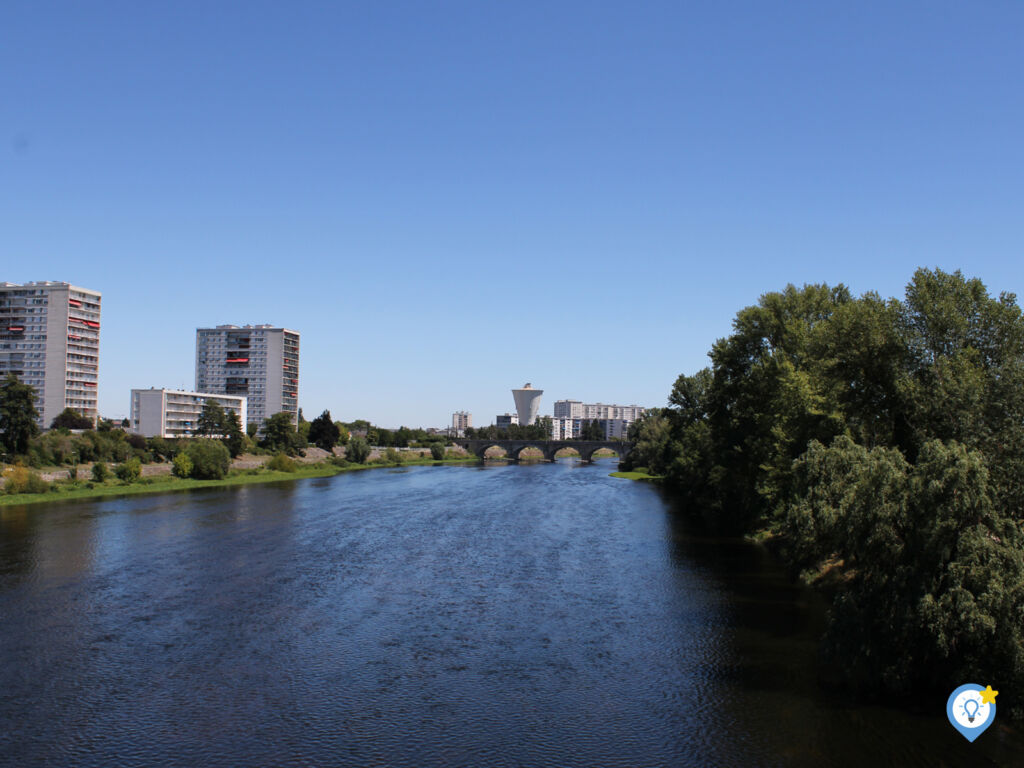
<point>195,462</point>
<point>878,446</point>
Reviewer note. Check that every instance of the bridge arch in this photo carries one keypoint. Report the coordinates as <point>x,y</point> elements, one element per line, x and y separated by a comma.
<point>481,450</point>
<point>540,445</point>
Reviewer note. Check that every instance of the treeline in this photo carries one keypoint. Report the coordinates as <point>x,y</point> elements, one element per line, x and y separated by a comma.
<point>403,437</point>
<point>879,444</point>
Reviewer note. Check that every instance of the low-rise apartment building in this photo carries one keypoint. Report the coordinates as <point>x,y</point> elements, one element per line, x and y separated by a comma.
<point>175,413</point>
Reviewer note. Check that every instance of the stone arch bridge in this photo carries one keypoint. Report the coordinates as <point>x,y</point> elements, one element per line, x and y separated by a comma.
<point>585,448</point>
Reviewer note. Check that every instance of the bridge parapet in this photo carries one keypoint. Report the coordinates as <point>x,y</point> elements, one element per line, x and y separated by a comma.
<point>585,448</point>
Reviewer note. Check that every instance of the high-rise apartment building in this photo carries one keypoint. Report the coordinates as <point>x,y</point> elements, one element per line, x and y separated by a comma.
<point>50,340</point>
<point>568,409</point>
<point>460,421</point>
<point>259,362</point>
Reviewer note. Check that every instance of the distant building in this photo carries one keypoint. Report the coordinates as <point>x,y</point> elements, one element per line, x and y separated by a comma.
<point>461,420</point>
<point>527,401</point>
<point>259,362</point>
<point>563,428</point>
<point>50,340</point>
<point>568,409</point>
<point>615,420</point>
<point>504,420</point>
<point>175,413</point>
<point>602,411</point>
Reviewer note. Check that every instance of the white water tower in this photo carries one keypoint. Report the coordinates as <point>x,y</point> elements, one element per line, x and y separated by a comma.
<point>527,403</point>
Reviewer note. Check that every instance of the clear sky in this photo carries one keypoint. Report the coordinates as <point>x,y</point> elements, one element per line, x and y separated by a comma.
<point>449,199</point>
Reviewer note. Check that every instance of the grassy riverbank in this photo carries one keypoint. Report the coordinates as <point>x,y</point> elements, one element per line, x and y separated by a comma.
<point>73,491</point>
<point>636,476</point>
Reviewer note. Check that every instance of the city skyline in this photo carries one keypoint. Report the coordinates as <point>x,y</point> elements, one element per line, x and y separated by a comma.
<point>377,180</point>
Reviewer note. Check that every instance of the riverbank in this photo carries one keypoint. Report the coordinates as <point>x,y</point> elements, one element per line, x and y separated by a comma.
<point>80,490</point>
<point>637,476</point>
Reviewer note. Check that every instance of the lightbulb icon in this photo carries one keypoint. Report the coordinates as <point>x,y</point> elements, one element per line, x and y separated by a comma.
<point>971,708</point>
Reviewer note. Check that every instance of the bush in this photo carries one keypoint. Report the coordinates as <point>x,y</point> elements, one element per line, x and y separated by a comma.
<point>22,480</point>
<point>357,450</point>
<point>391,456</point>
<point>160,448</point>
<point>437,451</point>
<point>281,463</point>
<point>129,471</point>
<point>100,472</point>
<point>182,465</point>
<point>210,459</point>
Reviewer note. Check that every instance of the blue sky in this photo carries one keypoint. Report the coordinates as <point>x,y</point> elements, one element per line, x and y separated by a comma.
<point>449,199</point>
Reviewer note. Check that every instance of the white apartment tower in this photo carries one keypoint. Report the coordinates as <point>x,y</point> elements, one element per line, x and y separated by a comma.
<point>50,340</point>
<point>259,362</point>
<point>460,421</point>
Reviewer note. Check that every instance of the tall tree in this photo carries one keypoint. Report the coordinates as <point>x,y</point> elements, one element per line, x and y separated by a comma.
<point>17,415</point>
<point>69,418</point>
<point>323,432</point>
<point>212,421</point>
<point>234,437</point>
<point>279,434</point>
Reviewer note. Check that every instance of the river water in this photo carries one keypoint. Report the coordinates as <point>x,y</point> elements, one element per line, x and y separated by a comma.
<point>520,615</point>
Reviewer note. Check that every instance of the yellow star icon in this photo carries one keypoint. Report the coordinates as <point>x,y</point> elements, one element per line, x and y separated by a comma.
<point>988,696</point>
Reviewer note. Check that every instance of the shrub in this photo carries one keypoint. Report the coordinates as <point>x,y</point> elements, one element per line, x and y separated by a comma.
<point>210,459</point>
<point>160,448</point>
<point>281,463</point>
<point>129,471</point>
<point>357,450</point>
<point>437,451</point>
<point>100,472</point>
<point>21,479</point>
<point>182,465</point>
<point>391,456</point>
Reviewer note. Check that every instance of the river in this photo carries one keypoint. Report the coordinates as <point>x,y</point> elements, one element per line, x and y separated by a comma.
<point>505,615</point>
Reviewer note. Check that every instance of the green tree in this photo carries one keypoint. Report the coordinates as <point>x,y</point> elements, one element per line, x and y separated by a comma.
<point>182,465</point>
<point>17,415</point>
<point>100,472</point>
<point>210,458</point>
<point>212,421</point>
<point>234,438</point>
<point>128,471</point>
<point>436,451</point>
<point>69,418</point>
<point>280,434</point>
<point>357,450</point>
<point>343,433</point>
<point>323,432</point>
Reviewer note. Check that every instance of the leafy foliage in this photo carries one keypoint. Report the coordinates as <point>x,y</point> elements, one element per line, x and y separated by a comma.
<point>280,462</point>
<point>17,415</point>
<point>280,434</point>
<point>129,471</point>
<point>323,432</point>
<point>913,512</point>
<point>182,465</point>
<point>69,418</point>
<point>357,450</point>
<point>210,459</point>
<point>20,479</point>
